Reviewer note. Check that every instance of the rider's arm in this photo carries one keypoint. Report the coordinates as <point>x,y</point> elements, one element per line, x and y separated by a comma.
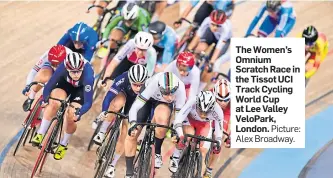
<point>313,70</point>
<point>58,74</point>
<point>181,116</point>
<point>201,31</point>
<point>180,98</point>
<point>114,22</point>
<point>88,82</point>
<point>218,123</point>
<point>118,85</point>
<point>43,61</point>
<point>144,20</point>
<point>142,98</point>
<point>151,61</point>
<point>256,19</point>
<point>188,8</point>
<point>64,39</point>
<point>91,45</point>
<point>227,34</point>
<point>121,55</point>
<point>283,22</point>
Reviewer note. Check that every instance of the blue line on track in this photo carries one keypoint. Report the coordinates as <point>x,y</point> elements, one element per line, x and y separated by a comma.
<point>5,151</point>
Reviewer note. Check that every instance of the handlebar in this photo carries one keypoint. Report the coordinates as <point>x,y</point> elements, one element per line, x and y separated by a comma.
<point>174,132</point>
<point>63,102</point>
<point>112,10</point>
<point>201,138</point>
<point>121,115</point>
<point>35,83</point>
<point>92,6</point>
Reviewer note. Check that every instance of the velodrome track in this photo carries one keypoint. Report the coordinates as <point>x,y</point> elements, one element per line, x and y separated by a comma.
<point>28,29</point>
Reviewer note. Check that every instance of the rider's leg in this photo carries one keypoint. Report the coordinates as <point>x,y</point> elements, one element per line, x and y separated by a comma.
<point>204,10</point>
<point>203,129</point>
<point>131,142</point>
<point>267,26</point>
<point>49,112</point>
<point>202,46</point>
<point>100,11</point>
<point>159,8</point>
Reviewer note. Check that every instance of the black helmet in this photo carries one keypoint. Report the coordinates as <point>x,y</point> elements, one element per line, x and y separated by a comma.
<point>157,28</point>
<point>273,5</point>
<point>310,34</point>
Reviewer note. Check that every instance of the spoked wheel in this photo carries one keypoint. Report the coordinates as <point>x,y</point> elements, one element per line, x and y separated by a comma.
<point>146,163</point>
<point>27,128</point>
<point>91,142</point>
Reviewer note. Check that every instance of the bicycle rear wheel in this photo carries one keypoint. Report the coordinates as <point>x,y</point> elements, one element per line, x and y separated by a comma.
<point>26,130</point>
<point>91,142</point>
<point>46,143</point>
<point>107,155</point>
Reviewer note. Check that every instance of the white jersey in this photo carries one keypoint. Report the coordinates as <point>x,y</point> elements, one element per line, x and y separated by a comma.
<point>152,91</point>
<point>189,110</point>
<point>128,50</point>
<point>192,80</point>
<point>42,62</point>
<point>223,34</point>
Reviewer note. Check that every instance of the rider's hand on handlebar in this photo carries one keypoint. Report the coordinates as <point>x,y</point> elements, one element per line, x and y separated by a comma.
<point>177,23</point>
<point>210,67</point>
<point>77,115</point>
<point>44,104</point>
<point>132,131</point>
<point>102,115</point>
<point>102,83</point>
<point>181,144</point>
<point>25,91</point>
<point>217,148</point>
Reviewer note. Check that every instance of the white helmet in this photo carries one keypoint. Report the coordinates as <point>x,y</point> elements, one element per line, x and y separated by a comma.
<point>130,11</point>
<point>222,90</point>
<point>143,40</point>
<point>205,101</point>
<point>137,74</point>
<point>168,83</point>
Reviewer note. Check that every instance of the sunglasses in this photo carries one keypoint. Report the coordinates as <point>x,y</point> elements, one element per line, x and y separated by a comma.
<point>137,84</point>
<point>167,91</point>
<point>78,42</point>
<point>215,25</point>
<point>223,100</point>
<point>75,71</point>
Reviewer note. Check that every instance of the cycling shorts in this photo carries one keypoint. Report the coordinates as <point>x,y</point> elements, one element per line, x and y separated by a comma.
<point>71,46</point>
<point>75,92</point>
<point>210,38</point>
<point>201,128</point>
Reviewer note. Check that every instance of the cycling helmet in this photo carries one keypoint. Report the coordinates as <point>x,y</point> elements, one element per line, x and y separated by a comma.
<point>168,83</point>
<point>79,32</point>
<point>137,74</point>
<point>222,90</point>
<point>205,101</point>
<point>130,11</point>
<point>273,5</point>
<point>218,16</point>
<point>186,59</point>
<point>57,55</point>
<point>143,40</point>
<point>157,28</point>
<point>310,34</point>
<point>74,61</point>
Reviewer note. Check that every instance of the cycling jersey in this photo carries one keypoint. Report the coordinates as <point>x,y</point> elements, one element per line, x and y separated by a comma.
<point>191,81</point>
<point>128,50</point>
<point>140,24</point>
<point>223,34</point>
<point>285,16</point>
<point>152,91</point>
<point>43,62</point>
<point>86,81</point>
<point>224,5</point>
<point>120,84</point>
<point>88,47</point>
<point>190,110</point>
<point>167,44</point>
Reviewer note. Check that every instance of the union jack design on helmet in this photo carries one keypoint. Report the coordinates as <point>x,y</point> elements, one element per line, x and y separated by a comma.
<point>74,61</point>
<point>222,90</point>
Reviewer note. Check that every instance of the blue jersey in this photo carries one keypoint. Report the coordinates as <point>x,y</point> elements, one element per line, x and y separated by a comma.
<point>88,47</point>
<point>284,15</point>
<point>224,5</point>
<point>168,44</point>
<point>120,84</point>
<point>86,81</point>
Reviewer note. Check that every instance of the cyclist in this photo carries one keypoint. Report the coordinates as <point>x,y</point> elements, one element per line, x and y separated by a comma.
<point>221,91</point>
<point>82,39</point>
<point>74,77</point>
<point>183,67</point>
<point>195,118</point>
<point>43,71</point>
<point>163,92</point>
<point>121,94</point>
<point>165,39</point>
<point>316,47</point>
<point>281,15</point>
<point>132,18</point>
<point>215,29</point>
<point>205,9</point>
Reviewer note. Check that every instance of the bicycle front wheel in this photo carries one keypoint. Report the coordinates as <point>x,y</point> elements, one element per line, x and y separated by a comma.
<point>91,142</point>
<point>146,164</point>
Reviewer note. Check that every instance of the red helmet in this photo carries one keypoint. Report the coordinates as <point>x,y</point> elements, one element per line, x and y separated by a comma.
<point>218,16</point>
<point>186,59</point>
<point>57,55</point>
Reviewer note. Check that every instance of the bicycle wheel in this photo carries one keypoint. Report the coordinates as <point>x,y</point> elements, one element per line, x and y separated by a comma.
<point>185,164</point>
<point>146,162</point>
<point>26,130</point>
<point>107,155</point>
<point>47,142</point>
<point>91,142</point>
<point>198,161</point>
